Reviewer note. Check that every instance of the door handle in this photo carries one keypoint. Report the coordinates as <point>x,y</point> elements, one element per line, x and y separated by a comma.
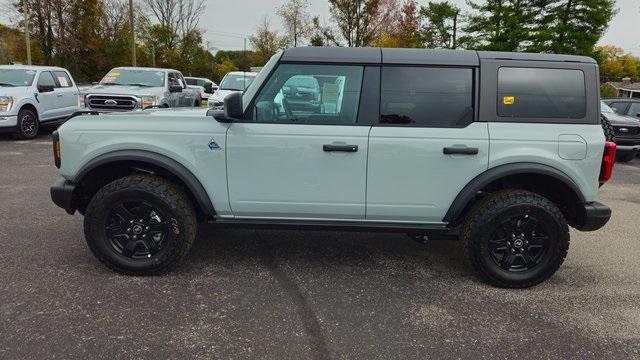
<point>460,150</point>
<point>341,148</point>
<point>59,95</point>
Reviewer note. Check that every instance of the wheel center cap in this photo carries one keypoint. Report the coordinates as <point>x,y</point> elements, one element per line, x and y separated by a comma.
<point>518,243</point>
<point>137,229</point>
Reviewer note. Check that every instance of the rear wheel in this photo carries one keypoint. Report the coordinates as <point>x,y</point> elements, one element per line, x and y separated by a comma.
<point>515,238</point>
<point>28,125</point>
<point>140,225</point>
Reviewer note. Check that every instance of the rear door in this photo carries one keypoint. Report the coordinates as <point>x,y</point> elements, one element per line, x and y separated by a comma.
<point>66,94</point>
<point>304,161</point>
<point>426,145</point>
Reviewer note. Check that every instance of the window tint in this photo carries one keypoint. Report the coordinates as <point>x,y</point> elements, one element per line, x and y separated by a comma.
<point>541,93</point>
<point>634,109</point>
<point>310,94</point>
<point>428,97</point>
<point>191,81</point>
<point>46,79</point>
<point>619,107</point>
<point>63,79</point>
<point>173,80</point>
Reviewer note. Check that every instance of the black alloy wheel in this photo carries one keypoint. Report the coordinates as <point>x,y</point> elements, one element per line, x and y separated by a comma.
<point>519,243</point>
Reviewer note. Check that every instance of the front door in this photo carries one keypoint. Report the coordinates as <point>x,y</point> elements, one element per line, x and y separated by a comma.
<point>301,152</point>
<point>426,146</point>
<point>47,100</point>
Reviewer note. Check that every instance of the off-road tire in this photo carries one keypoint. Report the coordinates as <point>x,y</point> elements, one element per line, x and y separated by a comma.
<point>483,219</point>
<point>26,115</point>
<point>165,195</point>
<point>607,128</point>
<point>626,156</point>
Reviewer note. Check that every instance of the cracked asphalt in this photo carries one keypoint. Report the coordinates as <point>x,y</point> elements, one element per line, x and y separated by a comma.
<point>291,294</point>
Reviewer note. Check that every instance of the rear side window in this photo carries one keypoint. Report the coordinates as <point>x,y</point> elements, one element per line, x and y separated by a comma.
<point>541,93</point>
<point>426,97</point>
<point>63,79</point>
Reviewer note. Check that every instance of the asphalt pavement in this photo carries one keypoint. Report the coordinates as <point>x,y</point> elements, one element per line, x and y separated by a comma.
<point>291,294</point>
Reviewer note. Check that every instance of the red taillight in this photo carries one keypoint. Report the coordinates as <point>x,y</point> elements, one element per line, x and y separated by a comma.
<point>608,159</point>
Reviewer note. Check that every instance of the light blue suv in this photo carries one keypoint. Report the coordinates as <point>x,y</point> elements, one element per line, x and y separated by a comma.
<point>501,150</point>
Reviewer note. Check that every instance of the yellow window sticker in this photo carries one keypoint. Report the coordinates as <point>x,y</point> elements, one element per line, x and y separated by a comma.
<point>509,100</point>
<point>113,74</point>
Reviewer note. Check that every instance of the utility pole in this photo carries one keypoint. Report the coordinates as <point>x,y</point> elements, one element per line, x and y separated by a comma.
<point>26,30</point>
<point>133,34</point>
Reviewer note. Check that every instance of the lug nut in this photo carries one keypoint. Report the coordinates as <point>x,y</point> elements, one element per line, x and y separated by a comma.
<point>508,243</point>
<point>513,250</point>
<point>131,222</point>
<point>135,237</point>
<point>146,228</point>
<point>128,229</point>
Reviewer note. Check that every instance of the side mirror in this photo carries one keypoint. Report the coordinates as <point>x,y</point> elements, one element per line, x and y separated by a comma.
<point>232,108</point>
<point>638,114</point>
<point>175,88</point>
<point>208,88</point>
<point>45,88</point>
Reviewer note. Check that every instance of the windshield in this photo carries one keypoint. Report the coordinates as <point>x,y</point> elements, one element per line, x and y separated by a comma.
<point>148,78</point>
<point>605,108</point>
<point>237,82</point>
<point>16,77</point>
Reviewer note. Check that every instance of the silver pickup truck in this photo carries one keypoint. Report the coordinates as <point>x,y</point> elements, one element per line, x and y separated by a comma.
<point>129,88</point>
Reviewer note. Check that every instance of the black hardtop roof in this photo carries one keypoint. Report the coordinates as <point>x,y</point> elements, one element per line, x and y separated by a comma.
<point>415,56</point>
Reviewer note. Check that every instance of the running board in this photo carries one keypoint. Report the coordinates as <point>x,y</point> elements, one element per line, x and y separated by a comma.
<point>335,225</point>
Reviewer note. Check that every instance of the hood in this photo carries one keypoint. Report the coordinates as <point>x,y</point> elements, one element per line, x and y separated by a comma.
<point>621,120</point>
<point>18,91</point>
<point>123,90</point>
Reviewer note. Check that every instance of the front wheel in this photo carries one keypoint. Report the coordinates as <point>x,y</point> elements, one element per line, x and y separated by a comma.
<point>28,125</point>
<point>515,238</point>
<point>140,225</point>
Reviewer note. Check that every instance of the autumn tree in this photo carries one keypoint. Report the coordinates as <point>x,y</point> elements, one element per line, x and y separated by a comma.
<point>322,35</point>
<point>403,29</point>
<point>616,64</point>
<point>441,28</point>
<point>360,22</point>
<point>296,18</point>
<point>266,41</point>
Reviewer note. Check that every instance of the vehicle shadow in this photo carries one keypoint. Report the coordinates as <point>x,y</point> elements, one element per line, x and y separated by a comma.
<point>43,134</point>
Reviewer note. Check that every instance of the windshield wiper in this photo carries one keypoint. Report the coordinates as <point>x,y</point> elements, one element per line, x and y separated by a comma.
<point>6,84</point>
<point>143,85</point>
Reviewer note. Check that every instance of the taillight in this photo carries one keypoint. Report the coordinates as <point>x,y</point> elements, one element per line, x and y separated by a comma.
<point>608,159</point>
<point>57,153</point>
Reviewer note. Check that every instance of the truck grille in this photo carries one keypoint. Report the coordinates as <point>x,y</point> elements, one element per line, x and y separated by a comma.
<point>630,130</point>
<point>111,103</point>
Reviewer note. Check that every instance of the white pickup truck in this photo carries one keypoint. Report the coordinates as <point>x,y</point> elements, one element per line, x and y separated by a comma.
<point>32,95</point>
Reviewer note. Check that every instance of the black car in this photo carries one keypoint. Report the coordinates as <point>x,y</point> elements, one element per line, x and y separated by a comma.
<point>625,106</point>
<point>623,130</point>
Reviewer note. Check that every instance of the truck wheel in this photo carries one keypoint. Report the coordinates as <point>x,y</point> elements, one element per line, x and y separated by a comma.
<point>626,156</point>
<point>515,238</point>
<point>28,125</point>
<point>140,225</point>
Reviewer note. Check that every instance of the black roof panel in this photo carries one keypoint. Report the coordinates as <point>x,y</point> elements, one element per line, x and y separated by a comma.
<point>430,57</point>
<point>534,57</point>
<point>333,55</point>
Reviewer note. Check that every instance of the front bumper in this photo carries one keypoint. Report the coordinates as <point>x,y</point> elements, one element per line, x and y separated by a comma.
<point>8,121</point>
<point>62,194</point>
<point>592,216</point>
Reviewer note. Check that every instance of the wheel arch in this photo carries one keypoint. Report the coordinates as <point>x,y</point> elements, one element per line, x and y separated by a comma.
<point>30,106</point>
<point>539,178</point>
<point>110,166</point>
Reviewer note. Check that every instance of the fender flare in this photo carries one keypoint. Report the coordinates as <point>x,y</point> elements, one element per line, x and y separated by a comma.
<point>180,171</point>
<point>471,189</point>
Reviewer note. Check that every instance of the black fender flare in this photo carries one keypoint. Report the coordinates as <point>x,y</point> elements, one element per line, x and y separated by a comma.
<point>191,182</point>
<point>471,189</point>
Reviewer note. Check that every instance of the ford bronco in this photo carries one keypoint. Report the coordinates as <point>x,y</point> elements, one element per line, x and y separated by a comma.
<point>502,150</point>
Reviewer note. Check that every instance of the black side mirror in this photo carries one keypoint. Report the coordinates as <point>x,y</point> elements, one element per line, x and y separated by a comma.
<point>232,108</point>
<point>175,88</point>
<point>208,88</point>
<point>45,88</point>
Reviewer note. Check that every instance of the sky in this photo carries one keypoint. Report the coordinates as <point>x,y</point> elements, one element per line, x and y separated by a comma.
<point>224,31</point>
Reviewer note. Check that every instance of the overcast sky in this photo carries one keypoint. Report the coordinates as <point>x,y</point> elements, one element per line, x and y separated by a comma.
<point>223,30</point>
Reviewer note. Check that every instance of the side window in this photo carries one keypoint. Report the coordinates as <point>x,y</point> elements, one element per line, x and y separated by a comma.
<point>426,97</point>
<point>63,79</point>
<point>181,81</point>
<point>46,79</point>
<point>310,94</point>
<point>541,93</point>
<point>634,109</point>
<point>192,82</point>
<point>619,107</point>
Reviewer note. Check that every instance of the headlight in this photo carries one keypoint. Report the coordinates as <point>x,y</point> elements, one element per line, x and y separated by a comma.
<point>6,103</point>
<point>148,101</point>
<point>81,101</point>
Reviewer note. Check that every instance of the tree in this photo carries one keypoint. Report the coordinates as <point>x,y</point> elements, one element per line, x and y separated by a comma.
<point>360,21</point>
<point>295,16</point>
<point>615,64</point>
<point>403,28</point>
<point>321,35</point>
<point>441,30</point>
<point>571,26</point>
<point>503,25</point>
<point>266,42</point>
<point>181,17</point>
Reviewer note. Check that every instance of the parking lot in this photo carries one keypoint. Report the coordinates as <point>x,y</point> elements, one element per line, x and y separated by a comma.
<point>290,294</point>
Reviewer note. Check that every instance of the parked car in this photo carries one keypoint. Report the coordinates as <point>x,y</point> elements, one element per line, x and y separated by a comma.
<point>623,130</point>
<point>33,95</point>
<point>400,144</point>
<point>205,86</point>
<point>625,106</point>
<point>235,81</point>
<point>135,88</point>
